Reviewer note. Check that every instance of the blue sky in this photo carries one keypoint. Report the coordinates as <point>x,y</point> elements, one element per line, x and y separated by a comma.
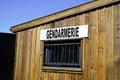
<point>13,12</point>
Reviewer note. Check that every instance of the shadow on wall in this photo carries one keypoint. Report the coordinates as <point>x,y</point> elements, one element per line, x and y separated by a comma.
<point>118,67</point>
<point>7,49</point>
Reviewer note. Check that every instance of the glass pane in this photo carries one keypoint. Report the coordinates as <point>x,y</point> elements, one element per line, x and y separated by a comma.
<point>62,54</point>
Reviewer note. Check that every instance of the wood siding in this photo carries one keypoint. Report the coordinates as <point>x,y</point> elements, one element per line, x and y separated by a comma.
<point>101,50</point>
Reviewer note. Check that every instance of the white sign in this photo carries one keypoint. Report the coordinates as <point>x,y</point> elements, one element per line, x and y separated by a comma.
<point>73,32</point>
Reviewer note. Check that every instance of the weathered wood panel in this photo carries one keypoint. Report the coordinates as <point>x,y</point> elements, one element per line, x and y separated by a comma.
<point>101,44</point>
<point>19,67</point>
<point>117,42</point>
<point>100,50</point>
<point>109,43</point>
<point>16,56</point>
<point>94,50</point>
<point>87,58</point>
<point>28,53</point>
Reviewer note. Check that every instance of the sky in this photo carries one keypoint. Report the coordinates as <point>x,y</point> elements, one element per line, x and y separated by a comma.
<point>14,12</point>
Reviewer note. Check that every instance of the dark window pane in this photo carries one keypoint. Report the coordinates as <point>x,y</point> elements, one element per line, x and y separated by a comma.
<point>62,54</point>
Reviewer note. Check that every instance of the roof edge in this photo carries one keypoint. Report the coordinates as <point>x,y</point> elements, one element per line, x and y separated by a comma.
<point>62,14</point>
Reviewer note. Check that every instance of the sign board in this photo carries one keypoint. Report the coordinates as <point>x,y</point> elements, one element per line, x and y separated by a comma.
<point>73,32</point>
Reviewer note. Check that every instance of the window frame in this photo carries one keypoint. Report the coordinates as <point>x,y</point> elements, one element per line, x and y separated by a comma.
<point>67,69</point>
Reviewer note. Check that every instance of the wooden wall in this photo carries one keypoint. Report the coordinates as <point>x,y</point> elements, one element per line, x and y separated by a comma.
<point>101,60</point>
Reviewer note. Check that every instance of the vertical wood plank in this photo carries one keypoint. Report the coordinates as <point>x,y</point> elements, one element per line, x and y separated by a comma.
<point>79,77</point>
<point>82,19</point>
<point>67,76</point>
<point>117,42</point>
<point>55,76</point>
<point>32,65</point>
<point>101,45</point>
<point>19,71</point>
<point>41,77</point>
<point>24,55</point>
<point>109,43</point>
<point>73,76</point>
<point>37,54</point>
<point>74,21</point>
<point>61,76</point>
<point>91,42</point>
<point>51,76</point>
<point>87,55</point>
<point>94,50</point>
<point>17,55</point>
<point>56,24</point>
<point>28,45</point>
<point>41,56</point>
<point>45,76</point>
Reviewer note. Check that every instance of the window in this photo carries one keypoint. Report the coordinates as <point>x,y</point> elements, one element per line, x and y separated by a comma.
<point>62,54</point>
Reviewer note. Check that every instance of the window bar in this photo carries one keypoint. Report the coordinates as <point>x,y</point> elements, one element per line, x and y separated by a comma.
<point>77,54</point>
<point>78,47</point>
<point>73,55</point>
<point>80,56</point>
<point>46,55</point>
<point>69,55</point>
<point>50,61</point>
<point>65,55</point>
<point>53,54</point>
<point>57,53</point>
<point>61,55</point>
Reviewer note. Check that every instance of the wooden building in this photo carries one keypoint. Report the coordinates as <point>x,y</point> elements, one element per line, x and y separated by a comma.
<point>54,47</point>
<point>7,51</point>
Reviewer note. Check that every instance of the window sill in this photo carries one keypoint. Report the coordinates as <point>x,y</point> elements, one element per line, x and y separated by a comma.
<point>62,70</point>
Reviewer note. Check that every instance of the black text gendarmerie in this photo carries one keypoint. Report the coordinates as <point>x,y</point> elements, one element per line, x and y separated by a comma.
<point>62,33</point>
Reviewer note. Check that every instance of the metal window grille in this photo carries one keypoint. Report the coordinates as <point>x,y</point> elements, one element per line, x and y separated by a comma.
<point>62,54</point>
